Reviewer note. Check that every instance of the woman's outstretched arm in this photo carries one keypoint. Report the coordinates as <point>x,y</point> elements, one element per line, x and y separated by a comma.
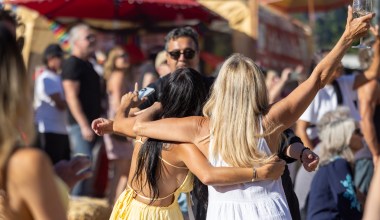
<point>188,130</point>
<point>288,110</point>
<point>122,124</point>
<point>209,175</point>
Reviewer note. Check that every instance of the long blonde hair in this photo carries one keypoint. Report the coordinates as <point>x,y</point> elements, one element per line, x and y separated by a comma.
<point>238,100</point>
<point>16,113</point>
<point>109,65</point>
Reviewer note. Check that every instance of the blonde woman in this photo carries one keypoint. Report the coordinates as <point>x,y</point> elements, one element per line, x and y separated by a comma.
<point>119,149</point>
<point>160,171</point>
<point>239,128</point>
<point>27,183</point>
<point>332,192</point>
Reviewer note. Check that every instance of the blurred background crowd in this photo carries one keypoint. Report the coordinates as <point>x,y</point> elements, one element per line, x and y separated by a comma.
<point>84,55</point>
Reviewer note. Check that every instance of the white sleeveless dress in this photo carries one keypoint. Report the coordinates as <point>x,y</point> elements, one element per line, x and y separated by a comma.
<point>257,200</point>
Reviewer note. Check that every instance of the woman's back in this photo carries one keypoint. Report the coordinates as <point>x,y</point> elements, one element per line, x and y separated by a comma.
<point>256,200</point>
<point>173,178</point>
<point>173,172</point>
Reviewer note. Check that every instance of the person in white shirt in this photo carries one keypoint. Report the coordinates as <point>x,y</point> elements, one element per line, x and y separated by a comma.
<point>50,107</point>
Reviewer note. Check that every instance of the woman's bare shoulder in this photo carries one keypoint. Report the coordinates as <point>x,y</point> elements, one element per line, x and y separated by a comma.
<point>28,162</point>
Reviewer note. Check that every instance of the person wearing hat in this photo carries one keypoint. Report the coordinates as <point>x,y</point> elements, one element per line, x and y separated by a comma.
<point>50,107</point>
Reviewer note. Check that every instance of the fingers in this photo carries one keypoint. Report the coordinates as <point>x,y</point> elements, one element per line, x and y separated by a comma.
<point>84,175</point>
<point>349,14</point>
<point>140,112</point>
<point>375,30</point>
<point>367,18</point>
<point>80,162</point>
<point>274,159</point>
<point>136,87</point>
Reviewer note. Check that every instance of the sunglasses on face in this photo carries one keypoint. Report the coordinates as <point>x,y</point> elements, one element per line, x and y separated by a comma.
<point>90,38</point>
<point>124,55</point>
<point>187,53</point>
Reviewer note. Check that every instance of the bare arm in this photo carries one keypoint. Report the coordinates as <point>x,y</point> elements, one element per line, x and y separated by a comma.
<point>374,69</point>
<point>123,123</point>
<point>301,127</point>
<point>287,111</point>
<point>209,175</point>
<point>31,173</point>
<point>367,99</point>
<point>59,102</point>
<point>372,207</point>
<point>309,159</point>
<point>276,90</point>
<point>114,86</point>
<point>71,88</point>
<point>188,129</point>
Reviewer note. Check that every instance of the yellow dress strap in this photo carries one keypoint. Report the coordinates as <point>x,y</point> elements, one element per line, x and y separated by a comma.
<point>172,164</point>
<point>139,140</point>
<point>148,198</point>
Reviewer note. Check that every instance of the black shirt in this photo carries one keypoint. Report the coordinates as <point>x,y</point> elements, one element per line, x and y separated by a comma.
<point>159,85</point>
<point>89,91</point>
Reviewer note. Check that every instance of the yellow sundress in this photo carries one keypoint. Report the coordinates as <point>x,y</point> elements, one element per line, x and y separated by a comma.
<point>126,207</point>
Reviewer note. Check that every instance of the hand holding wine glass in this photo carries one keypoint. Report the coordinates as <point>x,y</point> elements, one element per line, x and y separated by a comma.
<point>357,27</point>
<point>361,8</point>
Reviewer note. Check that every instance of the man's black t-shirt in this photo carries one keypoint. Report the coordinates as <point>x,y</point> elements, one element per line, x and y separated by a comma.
<point>159,85</point>
<point>90,90</point>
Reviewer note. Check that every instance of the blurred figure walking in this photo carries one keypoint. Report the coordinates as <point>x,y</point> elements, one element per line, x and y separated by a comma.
<point>50,107</point>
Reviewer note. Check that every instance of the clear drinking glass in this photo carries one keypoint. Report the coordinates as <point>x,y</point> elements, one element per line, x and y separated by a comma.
<point>361,8</point>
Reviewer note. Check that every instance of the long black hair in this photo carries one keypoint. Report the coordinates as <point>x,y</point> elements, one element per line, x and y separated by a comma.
<point>183,95</point>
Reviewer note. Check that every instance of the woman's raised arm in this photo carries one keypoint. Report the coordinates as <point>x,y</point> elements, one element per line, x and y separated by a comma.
<point>288,110</point>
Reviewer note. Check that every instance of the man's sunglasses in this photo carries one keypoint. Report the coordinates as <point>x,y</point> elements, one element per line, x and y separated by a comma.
<point>90,38</point>
<point>187,53</point>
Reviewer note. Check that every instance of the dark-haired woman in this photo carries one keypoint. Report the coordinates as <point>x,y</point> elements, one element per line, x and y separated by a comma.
<point>160,171</point>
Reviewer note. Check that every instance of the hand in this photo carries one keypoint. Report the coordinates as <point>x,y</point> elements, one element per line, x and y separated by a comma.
<point>310,160</point>
<point>87,133</point>
<point>102,126</point>
<point>285,74</point>
<point>131,99</point>
<point>272,170</point>
<point>375,32</point>
<point>357,27</point>
<point>68,170</point>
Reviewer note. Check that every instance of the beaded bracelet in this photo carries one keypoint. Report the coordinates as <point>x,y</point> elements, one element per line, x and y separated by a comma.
<point>302,153</point>
<point>254,175</point>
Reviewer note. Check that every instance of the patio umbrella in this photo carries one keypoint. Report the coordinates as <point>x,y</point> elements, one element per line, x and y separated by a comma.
<point>305,5</point>
<point>130,10</point>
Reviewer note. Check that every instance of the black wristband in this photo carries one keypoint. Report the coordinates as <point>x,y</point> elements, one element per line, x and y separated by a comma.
<point>302,153</point>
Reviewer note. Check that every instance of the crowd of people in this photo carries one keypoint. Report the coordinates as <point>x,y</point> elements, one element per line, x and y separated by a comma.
<point>199,147</point>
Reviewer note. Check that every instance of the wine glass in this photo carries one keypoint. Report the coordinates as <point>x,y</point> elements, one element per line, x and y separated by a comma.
<point>361,8</point>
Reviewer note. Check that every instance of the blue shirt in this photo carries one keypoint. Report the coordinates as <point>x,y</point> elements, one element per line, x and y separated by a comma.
<point>333,194</point>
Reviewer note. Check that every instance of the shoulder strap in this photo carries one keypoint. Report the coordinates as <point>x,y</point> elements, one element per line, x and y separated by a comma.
<point>338,92</point>
<point>172,164</point>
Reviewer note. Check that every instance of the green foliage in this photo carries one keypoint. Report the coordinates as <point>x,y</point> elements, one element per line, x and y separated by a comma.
<point>329,26</point>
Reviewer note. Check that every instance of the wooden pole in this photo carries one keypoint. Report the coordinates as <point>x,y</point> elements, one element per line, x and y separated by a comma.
<point>311,10</point>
